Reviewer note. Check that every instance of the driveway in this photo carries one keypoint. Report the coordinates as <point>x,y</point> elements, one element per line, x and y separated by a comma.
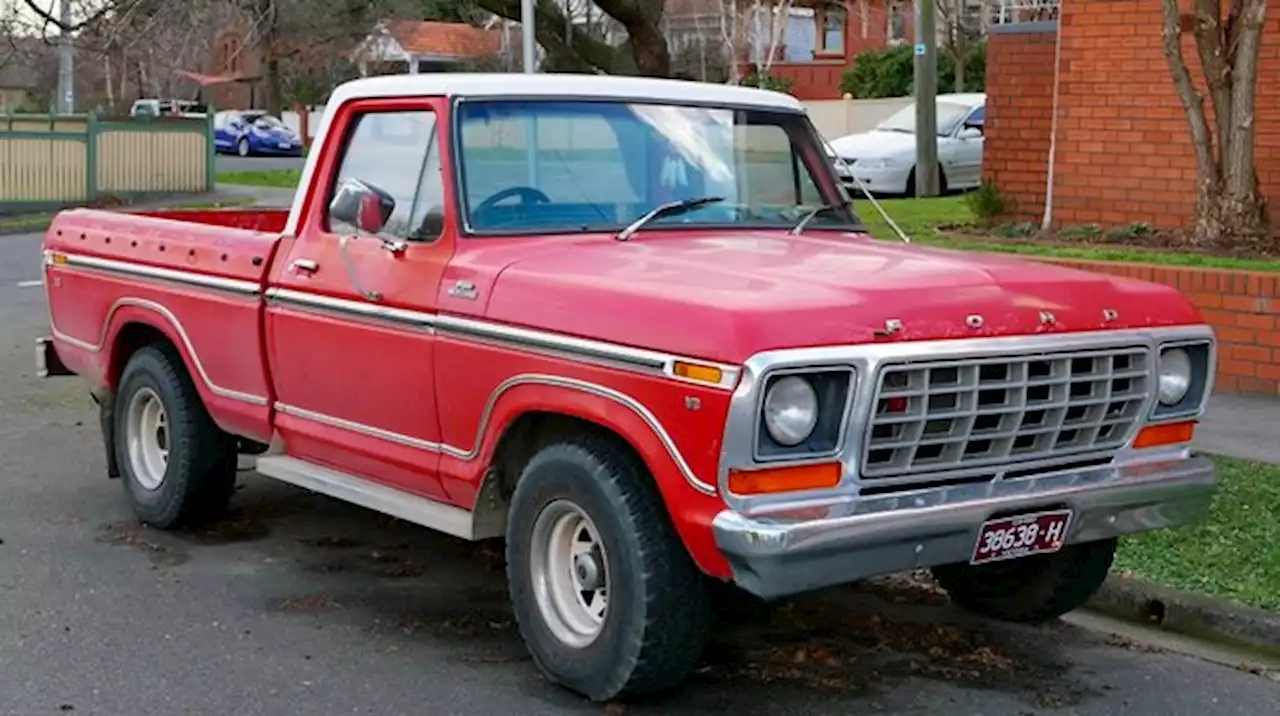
<point>298,604</point>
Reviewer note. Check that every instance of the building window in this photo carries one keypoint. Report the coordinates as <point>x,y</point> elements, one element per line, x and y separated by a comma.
<point>899,15</point>
<point>830,21</point>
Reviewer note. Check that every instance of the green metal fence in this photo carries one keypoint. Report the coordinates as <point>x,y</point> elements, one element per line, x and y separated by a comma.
<point>51,161</point>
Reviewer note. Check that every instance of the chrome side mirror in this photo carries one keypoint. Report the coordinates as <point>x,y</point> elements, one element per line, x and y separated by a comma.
<point>362,205</point>
<point>368,209</point>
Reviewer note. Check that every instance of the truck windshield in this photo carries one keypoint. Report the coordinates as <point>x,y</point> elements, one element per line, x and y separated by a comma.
<point>542,166</point>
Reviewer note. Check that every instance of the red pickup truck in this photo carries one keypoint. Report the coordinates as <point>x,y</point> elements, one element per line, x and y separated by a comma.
<point>633,327</point>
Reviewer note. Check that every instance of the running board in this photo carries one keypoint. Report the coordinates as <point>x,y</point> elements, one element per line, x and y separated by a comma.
<point>380,498</point>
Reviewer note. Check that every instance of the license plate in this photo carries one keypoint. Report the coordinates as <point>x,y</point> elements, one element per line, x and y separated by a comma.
<point>285,145</point>
<point>1020,536</point>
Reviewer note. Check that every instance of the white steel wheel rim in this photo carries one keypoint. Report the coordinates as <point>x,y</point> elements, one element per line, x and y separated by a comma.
<point>570,571</point>
<point>147,438</point>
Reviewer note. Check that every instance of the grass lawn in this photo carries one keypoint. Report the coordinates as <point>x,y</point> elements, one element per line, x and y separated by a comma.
<point>284,178</point>
<point>920,218</point>
<point>1233,554</point>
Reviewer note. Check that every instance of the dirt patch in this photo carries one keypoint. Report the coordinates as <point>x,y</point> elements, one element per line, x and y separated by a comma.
<point>303,604</point>
<point>329,542</point>
<point>234,528</point>
<point>858,644</point>
<point>476,613</point>
<point>145,540</point>
<point>1128,237</point>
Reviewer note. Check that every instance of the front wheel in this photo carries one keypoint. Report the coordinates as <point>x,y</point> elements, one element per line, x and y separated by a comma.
<point>177,466</point>
<point>608,601</point>
<point>242,147</point>
<point>1030,589</point>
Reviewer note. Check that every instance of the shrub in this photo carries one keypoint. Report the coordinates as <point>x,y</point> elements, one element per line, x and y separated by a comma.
<point>987,203</point>
<point>891,72</point>
<point>764,80</point>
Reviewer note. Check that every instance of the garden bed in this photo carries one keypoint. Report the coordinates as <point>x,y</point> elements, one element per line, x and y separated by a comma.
<point>948,222</point>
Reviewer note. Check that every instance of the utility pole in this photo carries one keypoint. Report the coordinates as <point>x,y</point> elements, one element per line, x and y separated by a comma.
<point>66,73</point>
<point>926,82</point>
<point>527,35</point>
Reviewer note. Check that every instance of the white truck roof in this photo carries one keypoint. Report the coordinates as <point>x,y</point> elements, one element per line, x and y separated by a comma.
<point>475,84</point>
<point>507,84</point>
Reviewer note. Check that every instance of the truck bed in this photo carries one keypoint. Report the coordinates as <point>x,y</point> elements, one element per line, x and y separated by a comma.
<point>196,276</point>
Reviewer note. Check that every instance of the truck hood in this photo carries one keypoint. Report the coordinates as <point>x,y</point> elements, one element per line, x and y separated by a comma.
<point>725,297</point>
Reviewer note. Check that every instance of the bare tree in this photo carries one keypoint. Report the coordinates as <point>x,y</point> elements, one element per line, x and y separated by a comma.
<point>962,25</point>
<point>641,20</point>
<point>1229,205</point>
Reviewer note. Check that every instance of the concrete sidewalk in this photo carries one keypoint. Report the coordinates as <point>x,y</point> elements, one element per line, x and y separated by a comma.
<point>1246,427</point>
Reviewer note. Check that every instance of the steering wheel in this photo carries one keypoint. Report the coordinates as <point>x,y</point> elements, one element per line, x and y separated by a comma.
<point>527,193</point>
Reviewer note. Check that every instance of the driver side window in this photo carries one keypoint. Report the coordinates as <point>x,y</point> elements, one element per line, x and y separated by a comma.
<point>391,151</point>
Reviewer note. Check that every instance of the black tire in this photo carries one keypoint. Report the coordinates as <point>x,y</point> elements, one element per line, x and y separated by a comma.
<point>1031,589</point>
<point>911,183</point>
<point>200,473</point>
<point>656,624</point>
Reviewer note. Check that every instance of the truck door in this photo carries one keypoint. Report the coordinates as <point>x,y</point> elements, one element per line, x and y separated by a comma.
<point>348,323</point>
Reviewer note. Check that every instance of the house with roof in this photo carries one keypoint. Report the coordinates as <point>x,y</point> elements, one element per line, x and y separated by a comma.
<point>412,46</point>
<point>812,43</point>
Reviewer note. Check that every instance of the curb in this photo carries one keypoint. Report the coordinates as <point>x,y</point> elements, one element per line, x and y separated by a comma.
<point>1191,615</point>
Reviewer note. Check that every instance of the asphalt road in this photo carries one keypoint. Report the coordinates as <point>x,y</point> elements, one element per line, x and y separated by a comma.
<point>233,163</point>
<point>299,604</point>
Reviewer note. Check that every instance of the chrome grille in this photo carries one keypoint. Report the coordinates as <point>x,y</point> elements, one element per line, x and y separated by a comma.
<point>942,416</point>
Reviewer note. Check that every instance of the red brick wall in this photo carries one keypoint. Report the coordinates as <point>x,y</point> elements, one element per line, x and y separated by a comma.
<point>1124,151</point>
<point>820,79</point>
<point>812,80</point>
<point>1019,110</point>
<point>1242,306</point>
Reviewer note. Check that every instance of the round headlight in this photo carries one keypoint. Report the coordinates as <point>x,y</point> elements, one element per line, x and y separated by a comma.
<point>790,411</point>
<point>1175,376</point>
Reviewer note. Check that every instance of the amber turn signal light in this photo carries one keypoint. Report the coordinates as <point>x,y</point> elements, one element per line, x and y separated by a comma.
<point>784,479</point>
<point>700,373</point>
<point>1167,434</point>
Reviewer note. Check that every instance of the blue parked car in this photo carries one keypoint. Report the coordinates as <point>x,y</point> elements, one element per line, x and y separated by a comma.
<point>250,132</point>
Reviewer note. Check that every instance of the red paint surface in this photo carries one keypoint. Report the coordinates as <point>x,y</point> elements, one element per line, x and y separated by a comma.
<point>702,294</point>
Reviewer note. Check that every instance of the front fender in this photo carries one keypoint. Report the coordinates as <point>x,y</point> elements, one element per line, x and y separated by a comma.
<point>690,498</point>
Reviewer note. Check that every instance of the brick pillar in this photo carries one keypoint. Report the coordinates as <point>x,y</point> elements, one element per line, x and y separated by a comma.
<point>1020,62</point>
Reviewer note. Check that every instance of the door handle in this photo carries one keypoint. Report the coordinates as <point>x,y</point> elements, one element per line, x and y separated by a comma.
<point>306,266</point>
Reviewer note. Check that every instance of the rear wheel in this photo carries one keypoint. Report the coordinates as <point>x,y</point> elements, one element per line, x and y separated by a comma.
<point>607,600</point>
<point>242,147</point>
<point>178,467</point>
<point>1030,589</point>
<point>910,189</point>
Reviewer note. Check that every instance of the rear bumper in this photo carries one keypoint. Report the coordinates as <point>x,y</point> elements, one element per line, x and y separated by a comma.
<point>786,553</point>
<point>48,364</point>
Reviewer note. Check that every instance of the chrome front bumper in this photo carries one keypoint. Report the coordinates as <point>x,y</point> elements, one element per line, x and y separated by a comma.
<point>791,551</point>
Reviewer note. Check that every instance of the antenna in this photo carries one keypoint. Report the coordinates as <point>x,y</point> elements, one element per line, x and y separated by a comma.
<point>867,193</point>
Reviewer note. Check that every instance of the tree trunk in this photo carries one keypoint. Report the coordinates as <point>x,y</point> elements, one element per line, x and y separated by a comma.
<point>1230,210</point>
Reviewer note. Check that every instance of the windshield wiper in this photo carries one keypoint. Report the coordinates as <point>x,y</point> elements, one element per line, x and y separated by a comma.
<point>795,230</point>
<point>671,208</point>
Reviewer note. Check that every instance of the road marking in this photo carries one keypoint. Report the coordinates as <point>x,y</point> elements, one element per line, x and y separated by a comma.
<point>30,284</point>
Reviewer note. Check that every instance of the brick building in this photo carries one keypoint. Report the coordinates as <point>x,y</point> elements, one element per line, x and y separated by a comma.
<point>822,38</point>
<point>1124,151</point>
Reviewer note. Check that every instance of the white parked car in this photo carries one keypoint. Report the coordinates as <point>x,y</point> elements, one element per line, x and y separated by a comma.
<point>884,159</point>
